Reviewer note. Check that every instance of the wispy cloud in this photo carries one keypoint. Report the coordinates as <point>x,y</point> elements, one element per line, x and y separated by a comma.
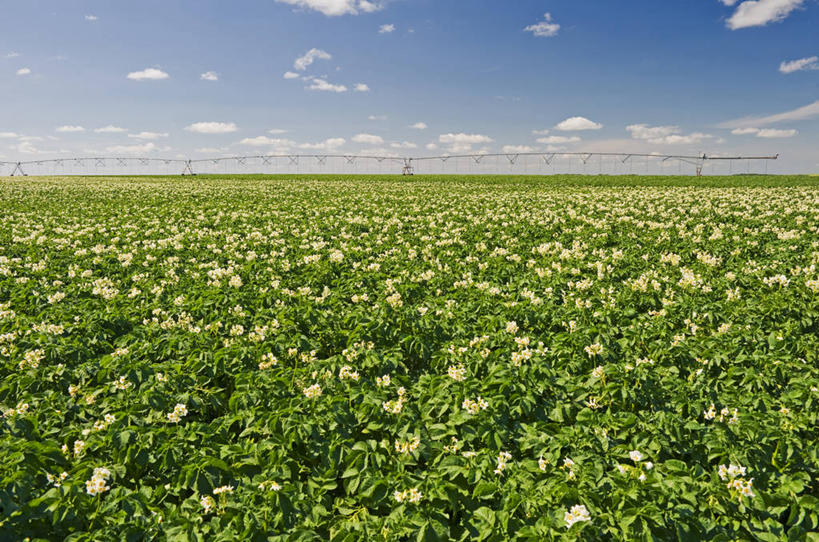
<point>69,129</point>
<point>386,28</point>
<point>209,76</point>
<point>546,28</point>
<point>304,61</point>
<point>110,129</point>
<point>802,113</point>
<point>324,86</point>
<point>802,64</point>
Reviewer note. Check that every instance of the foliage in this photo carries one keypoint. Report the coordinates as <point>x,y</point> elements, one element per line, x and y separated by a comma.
<point>409,359</point>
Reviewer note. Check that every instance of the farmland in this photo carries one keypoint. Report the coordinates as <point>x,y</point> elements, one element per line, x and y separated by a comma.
<point>250,358</point>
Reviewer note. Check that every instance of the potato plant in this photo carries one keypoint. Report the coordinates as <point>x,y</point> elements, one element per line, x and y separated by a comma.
<point>428,359</point>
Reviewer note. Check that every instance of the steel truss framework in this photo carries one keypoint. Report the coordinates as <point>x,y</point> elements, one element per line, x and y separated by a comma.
<point>407,165</point>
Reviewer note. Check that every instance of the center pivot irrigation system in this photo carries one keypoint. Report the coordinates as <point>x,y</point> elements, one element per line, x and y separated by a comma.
<point>511,163</point>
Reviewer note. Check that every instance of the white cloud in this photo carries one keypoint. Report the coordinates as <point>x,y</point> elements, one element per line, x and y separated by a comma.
<point>801,113</point>
<point>765,133</point>
<point>69,129</point>
<point>431,146</point>
<point>92,18</point>
<point>377,117</point>
<point>540,132</point>
<point>761,12</point>
<point>291,75</point>
<point>369,139</point>
<point>419,126</point>
<point>386,28</point>
<point>110,129</point>
<point>304,61</point>
<point>803,64</point>
<point>211,150</point>
<point>24,71</point>
<point>148,74</point>
<point>403,145</point>
<point>209,76</point>
<point>146,136</point>
<point>665,135</point>
<point>212,127</point>
<point>324,86</point>
<point>335,7</point>
<point>361,87</point>
<point>575,124</point>
<point>557,140</point>
<point>514,149</point>
<point>326,145</point>
<point>468,139</point>
<point>132,149</point>
<point>13,54</point>
<point>745,131</point>
<point>8,135</point>
<point>544,29</point>
<point>276,131</point>
<point>771,133</point>
<point>263,141</point>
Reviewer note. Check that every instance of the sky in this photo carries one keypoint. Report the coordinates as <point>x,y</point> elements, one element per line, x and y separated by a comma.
<point>209,78</point>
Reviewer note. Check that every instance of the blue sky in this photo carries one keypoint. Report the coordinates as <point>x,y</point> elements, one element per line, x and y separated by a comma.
<point>410,77</point>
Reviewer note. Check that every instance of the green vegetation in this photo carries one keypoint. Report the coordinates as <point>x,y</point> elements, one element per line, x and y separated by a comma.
<point>428,358</point>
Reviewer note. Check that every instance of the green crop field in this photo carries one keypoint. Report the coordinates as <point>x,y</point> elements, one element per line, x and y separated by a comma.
<point>430,358</point>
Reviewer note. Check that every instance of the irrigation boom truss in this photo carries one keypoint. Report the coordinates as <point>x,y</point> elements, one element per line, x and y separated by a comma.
<point>408,164</point>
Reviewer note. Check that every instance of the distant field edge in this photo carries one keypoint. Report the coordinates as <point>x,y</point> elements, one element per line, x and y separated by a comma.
<point>811,181</point>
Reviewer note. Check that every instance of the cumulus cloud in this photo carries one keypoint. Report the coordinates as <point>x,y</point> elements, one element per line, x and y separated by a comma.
<point>576,124</point>
<point>110,129</point>
<point>386,28</point>
<point>209,76</point>
<point>147,136</point>
<point>8,135</point>
<point>540,132</point>
<point>760,12</point>
<point>361,87</point>
<point>765,133</point>
<point>558,140</point>
<point>335,7</point>
<point>469,139</point>
<point>801,113</point>
<point>326,145</point>
<point>324,86</point>
<point>68,129</point>
<point>291,75</point>
<point>24,71</point>
<point>369,139</point>
<point>665,135</point>
<point>212,127</point>
<point>545,28</point>
<point>148,74</point>
<point>419,126</point>
<point>802,64</point>
<point>304,61</point>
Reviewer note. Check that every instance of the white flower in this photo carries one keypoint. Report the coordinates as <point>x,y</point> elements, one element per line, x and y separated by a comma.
<point>635,455</point>
<point>577,513</point>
